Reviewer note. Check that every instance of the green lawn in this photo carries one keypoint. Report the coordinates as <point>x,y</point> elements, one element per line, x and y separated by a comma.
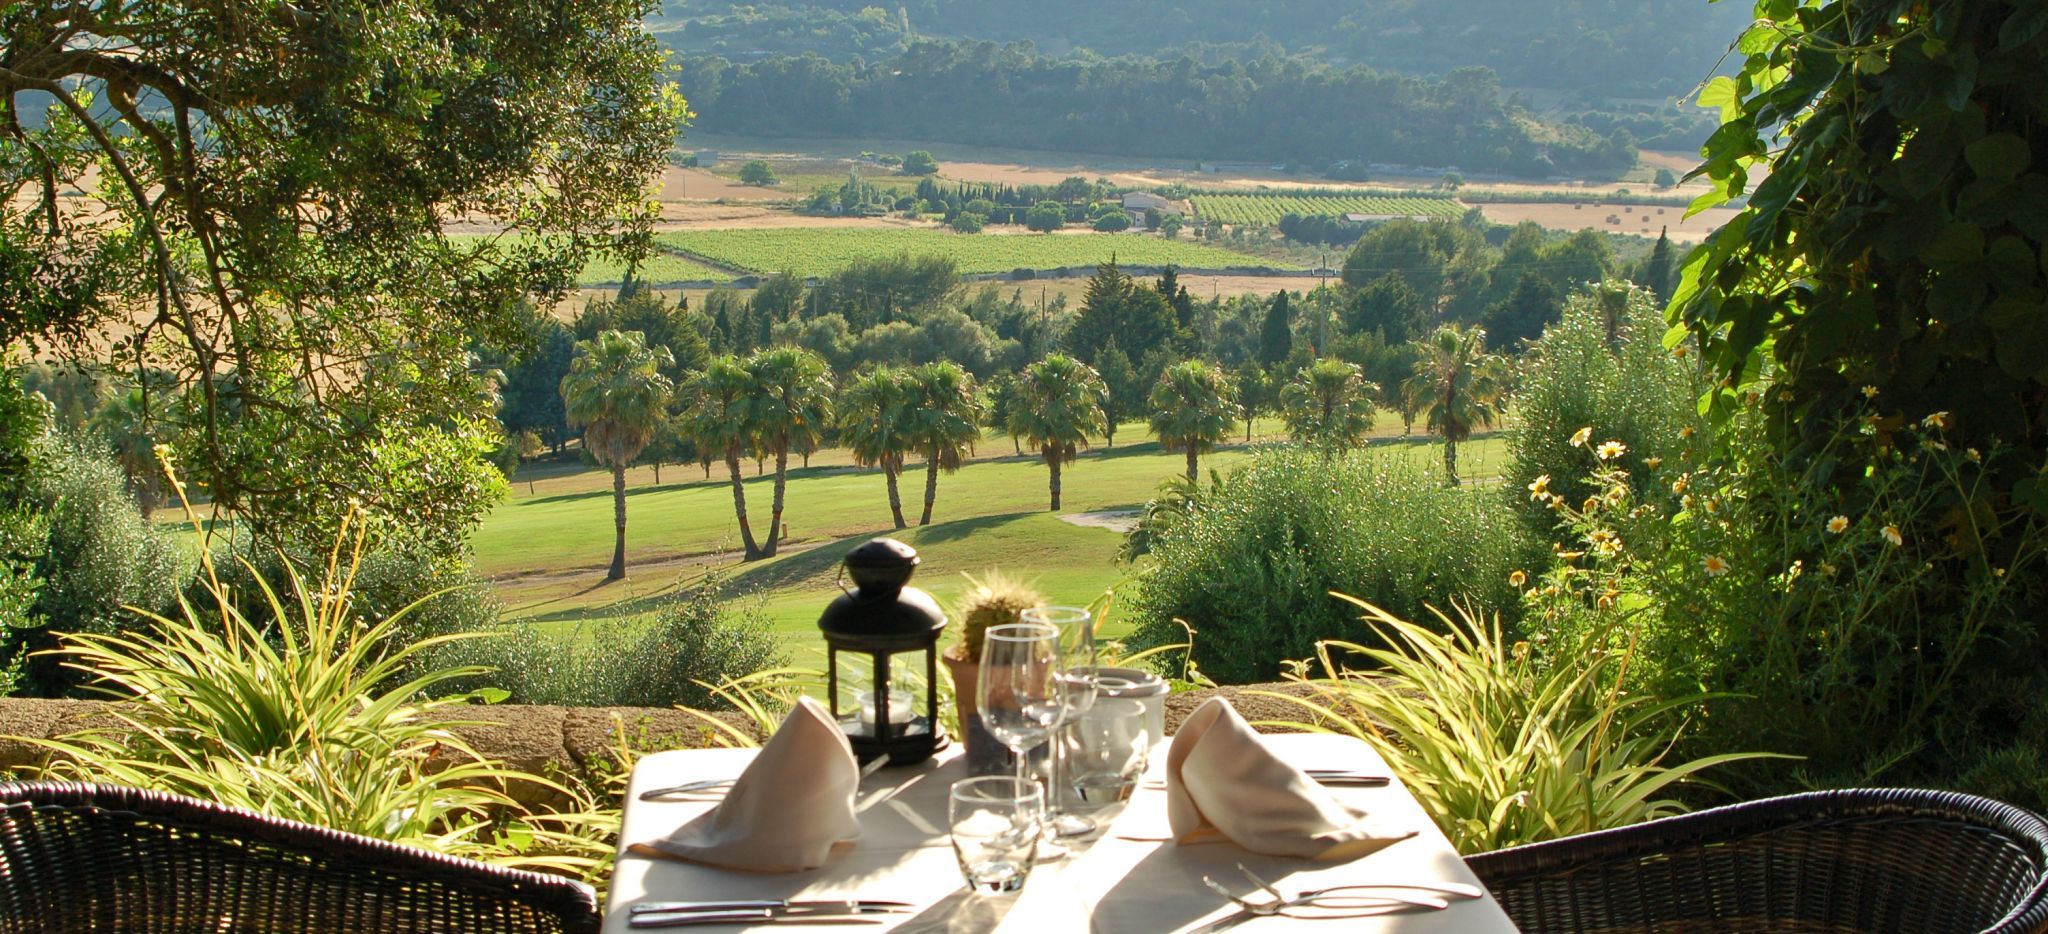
<point>546,551</point>
<point>819,251</point>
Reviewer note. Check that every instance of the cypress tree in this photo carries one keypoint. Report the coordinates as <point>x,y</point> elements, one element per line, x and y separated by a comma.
<point>1276,336</point>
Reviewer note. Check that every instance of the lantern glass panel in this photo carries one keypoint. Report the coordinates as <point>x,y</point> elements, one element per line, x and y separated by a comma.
<point>910,694</point>
<point>852,700</point>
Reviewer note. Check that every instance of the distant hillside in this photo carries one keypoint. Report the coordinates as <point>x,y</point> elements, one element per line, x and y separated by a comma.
<point>1266,110</point>
<point>1617,48</point>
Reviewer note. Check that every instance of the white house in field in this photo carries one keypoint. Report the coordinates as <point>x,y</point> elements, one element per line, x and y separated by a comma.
<point>1138,202</point>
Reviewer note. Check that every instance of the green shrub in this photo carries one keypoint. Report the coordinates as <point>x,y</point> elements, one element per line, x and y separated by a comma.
<point>652,661</point>
<point>310,721</point>
<point>1252,564</point>
<point>1881,653</point>
<point>80,543</point>
<point>1627,389</point>
<point>1500,751</point>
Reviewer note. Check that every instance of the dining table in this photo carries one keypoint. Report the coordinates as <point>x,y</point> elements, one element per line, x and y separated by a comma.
<point>1129,876</point>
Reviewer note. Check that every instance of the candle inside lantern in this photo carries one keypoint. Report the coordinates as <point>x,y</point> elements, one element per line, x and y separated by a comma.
<point>899,709</point>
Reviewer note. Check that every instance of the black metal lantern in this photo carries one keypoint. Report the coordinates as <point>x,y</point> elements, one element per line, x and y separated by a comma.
<point>884,691</point>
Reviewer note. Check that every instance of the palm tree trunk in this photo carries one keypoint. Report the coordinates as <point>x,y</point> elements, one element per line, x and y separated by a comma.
<point>657,473</point>
<point>1247,429</point>
<point>618,569</point>
<point>739,505</point>
<point>1191,463</point>
<point>895,500</point>
<point>775,507</point>
<point>1451,459</point>
<point>931,482</point>
<point>1109,433</point>
<point>1052,460</point>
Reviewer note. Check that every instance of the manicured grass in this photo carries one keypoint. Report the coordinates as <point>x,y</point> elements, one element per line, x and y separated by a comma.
<point>546,549</point>
<point>824,250</point>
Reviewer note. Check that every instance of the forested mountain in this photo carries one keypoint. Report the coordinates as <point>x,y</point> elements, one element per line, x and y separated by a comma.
<point>1616,48</point>
<point>1267,109</point>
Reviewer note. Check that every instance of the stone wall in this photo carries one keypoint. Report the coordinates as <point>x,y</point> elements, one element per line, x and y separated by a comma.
<point>572,740</point>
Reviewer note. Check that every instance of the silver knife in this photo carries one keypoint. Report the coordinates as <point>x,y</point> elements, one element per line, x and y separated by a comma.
<point>1339,777</point>
<point>809,907</point>
<point>756,916</point>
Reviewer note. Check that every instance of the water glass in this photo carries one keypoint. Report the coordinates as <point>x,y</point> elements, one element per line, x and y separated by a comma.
<point>996,821</point>
<point>1106,750</point>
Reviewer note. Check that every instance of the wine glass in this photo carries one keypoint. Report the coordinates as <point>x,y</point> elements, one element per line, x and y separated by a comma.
<point>1077,682</point>
<point>1019,686</point>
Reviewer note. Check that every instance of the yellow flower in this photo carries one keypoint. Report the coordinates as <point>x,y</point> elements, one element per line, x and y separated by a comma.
<point>1582,436</point>
<point>1654,462</point>
<point>1539,486</point>
<point>1686,432</point>
<point>1827,569</point>
<point>1610,450</point>
<point>1891,534</point>
<point>1517,579</point>
<point>1606,600</point>
<point>1973,455</point>
<point>1679,485</point>
<point>1591,503</point>
<point>1715,566</point>
<point>1838,525</point>
<point>1869,392</point>
<point>1937,421</point>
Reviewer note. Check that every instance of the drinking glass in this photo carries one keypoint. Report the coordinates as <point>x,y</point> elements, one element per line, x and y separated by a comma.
<point>1077,683</point>
<point>996,821</point>
<point>1106,748</point>
<point>1020,690</point>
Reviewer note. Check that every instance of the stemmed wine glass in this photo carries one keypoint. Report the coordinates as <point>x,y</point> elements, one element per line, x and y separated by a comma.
<point>1020,690</point>
<point>1077,683</point>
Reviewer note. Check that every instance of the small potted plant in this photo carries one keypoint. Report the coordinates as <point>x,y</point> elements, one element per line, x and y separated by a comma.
<point>990,600</point>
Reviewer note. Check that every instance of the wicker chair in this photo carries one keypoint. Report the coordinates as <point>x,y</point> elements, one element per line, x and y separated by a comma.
<point>77,857</point>
<point>1857,860</point>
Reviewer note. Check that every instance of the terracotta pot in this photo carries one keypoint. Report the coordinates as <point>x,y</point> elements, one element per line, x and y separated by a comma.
<point>985,756</point>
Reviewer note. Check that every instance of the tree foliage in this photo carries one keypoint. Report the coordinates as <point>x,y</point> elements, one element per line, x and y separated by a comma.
<point>273,180</point>
<point>1897,241</point>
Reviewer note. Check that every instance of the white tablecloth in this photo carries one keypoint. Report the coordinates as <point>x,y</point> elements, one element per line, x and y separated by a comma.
<point>1129,880</point>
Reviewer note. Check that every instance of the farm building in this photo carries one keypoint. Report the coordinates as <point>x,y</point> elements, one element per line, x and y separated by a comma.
<point>1138,202</point>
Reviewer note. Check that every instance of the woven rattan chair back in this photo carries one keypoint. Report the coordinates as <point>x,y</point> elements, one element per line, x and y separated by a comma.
<point>77,857</point>
<point>1874,860</point>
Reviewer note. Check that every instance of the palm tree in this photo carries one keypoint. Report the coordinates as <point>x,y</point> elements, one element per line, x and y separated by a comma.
<point>945,421</point>
<point>1057,406</point>
<point>720,418</point>
<point>1191,410</point>
<point>1328,404</point>
<point>615,391</point>
<point>792,404</point>
<point>871,413</point>
<point>1456,385</point>
<point>125,425</point>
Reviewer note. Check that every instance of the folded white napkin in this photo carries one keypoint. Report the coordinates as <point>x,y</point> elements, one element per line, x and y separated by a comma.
<point>1220,779</point>
<point>787,811</point>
